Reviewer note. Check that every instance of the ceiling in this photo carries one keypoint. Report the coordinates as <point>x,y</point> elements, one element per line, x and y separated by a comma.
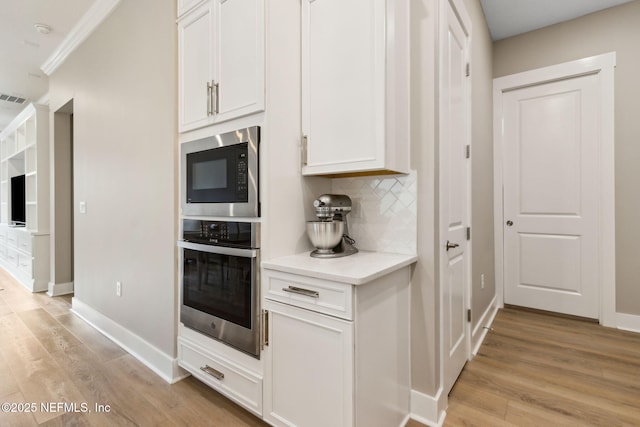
<point>23,49</point>
<point>507,18</point>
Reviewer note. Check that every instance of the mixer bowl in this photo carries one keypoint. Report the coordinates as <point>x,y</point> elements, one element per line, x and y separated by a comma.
<point>325,235</point>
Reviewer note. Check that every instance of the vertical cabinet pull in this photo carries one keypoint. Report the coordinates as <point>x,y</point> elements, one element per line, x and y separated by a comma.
<point>213,372</point>
<point>213,98</point>
<point>265,329</point>
<point>209,99</point>
<point>305,143</point>
<point>216,108</point>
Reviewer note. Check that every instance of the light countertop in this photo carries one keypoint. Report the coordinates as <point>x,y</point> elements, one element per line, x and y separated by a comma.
<point>356,269</point>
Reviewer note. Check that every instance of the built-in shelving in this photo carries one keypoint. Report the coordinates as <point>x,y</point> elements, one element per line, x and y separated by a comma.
<point>24,150</point>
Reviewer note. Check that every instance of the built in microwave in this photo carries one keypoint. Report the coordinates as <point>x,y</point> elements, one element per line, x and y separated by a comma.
<point>219,175</point>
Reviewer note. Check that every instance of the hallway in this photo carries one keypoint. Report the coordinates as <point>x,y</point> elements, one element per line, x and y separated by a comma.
<point>538,369</point>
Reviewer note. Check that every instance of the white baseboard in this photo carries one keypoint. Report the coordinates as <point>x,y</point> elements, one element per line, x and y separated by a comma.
<point>427,409</point>
<point>159,362</point>
<point>57,289</point>
<point>480,331</point>
<point>628,322</point>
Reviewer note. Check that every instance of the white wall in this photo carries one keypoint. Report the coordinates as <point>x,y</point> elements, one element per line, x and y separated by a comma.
<point>122,80</point>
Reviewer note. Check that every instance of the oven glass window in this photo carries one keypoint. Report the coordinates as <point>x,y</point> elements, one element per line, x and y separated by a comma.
<point>219,285</point>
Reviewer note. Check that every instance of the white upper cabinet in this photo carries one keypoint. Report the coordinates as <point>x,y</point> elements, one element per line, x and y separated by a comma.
<point>221,62</point>
<point>186,5</point>
<point>355,94</point>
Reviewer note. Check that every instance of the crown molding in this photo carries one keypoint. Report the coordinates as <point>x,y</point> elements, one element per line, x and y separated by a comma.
<point>96,14</point>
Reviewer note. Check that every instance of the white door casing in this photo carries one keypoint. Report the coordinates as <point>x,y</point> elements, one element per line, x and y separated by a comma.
<point>454,187</point>
<point>554,188</point>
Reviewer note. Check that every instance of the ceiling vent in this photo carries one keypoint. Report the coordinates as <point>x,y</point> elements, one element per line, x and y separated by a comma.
<point>11,98</point>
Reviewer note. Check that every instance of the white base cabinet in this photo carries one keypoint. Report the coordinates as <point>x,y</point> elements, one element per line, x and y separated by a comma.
<point>25,255</point>
<point>311,365</point>
<point>327,369</point>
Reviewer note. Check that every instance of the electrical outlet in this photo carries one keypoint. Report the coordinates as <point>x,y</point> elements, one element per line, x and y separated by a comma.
<point>83,207</point>
<point>482,281</point>
<point>119,288</point>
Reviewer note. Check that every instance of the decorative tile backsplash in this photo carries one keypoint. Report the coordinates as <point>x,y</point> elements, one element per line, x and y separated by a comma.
<point>384,215</point>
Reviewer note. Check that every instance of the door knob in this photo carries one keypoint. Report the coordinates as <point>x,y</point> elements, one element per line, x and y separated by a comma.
<point>451,245</point>
<point>509,223</point>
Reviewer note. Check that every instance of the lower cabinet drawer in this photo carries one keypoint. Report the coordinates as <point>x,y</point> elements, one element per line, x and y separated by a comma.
<point>238,384</point>
<point>12,257</point>
<point>24,264</point>
<point>24,242</point>
<point>322,296</point>
<point>12,238</point>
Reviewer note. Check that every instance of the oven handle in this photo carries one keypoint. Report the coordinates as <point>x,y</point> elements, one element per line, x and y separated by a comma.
<point>222,250</point>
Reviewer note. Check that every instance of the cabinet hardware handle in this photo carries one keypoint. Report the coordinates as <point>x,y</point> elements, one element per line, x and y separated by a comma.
<point>305,143</point>
<point>209,99</point>
<point>265,329</point>
<point>216,109</point>
<point>213,372</point>
<point>451,245</point>
<point>302,291</point>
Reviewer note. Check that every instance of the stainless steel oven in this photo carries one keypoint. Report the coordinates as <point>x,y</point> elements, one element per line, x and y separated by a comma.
<point>219,175</point>
<point>220,290</point>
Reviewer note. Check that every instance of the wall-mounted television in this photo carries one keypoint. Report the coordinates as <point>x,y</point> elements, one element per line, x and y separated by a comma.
<point>18,199</point>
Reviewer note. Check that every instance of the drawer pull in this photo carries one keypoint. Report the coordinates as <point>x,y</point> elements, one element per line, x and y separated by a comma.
<point>302,291</point>
<point>213,372</point>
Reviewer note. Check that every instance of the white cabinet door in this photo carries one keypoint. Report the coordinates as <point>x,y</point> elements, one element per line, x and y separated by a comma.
<point>221,62</point>
<point>184,6</point>
<point>240,58</point>
<point>308,368</point>
<point>195,69</point>
<point>348,69</point>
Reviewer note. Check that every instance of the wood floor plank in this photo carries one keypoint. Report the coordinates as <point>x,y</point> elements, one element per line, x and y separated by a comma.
<point>55,306</point>
<point>17,418</point>
<point>552,371</point>
<point>469,416</point>
<point>484,401</point>
<point>99,386</point>
<point>526,415</point>
<point>103,347</point>
<point>47,330</point>
<point>12,329</point>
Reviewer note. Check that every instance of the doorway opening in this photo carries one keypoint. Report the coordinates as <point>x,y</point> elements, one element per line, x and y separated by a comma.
<point>62,253</point>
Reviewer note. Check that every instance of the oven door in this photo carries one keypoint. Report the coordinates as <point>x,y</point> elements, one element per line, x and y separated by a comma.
<point>219,294</point>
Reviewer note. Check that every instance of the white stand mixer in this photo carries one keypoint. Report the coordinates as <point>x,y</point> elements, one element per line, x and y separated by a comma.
<point>330,235</point>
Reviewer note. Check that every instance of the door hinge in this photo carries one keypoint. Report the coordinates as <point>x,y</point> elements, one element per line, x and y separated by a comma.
<point>467,151</point>
<point>468,233</point>
<point>468,70</point>
<point>305,143</point>
<point>469,315</point>
<point>265,329</point>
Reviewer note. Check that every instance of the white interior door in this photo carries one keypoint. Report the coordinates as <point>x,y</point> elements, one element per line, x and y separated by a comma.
<point>454,194</point>
<point>551,187</point>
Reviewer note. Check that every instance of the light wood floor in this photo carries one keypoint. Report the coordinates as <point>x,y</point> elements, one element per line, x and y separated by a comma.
<point>536,369</point>
<point>532,370</point>
<point>48,355</point>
